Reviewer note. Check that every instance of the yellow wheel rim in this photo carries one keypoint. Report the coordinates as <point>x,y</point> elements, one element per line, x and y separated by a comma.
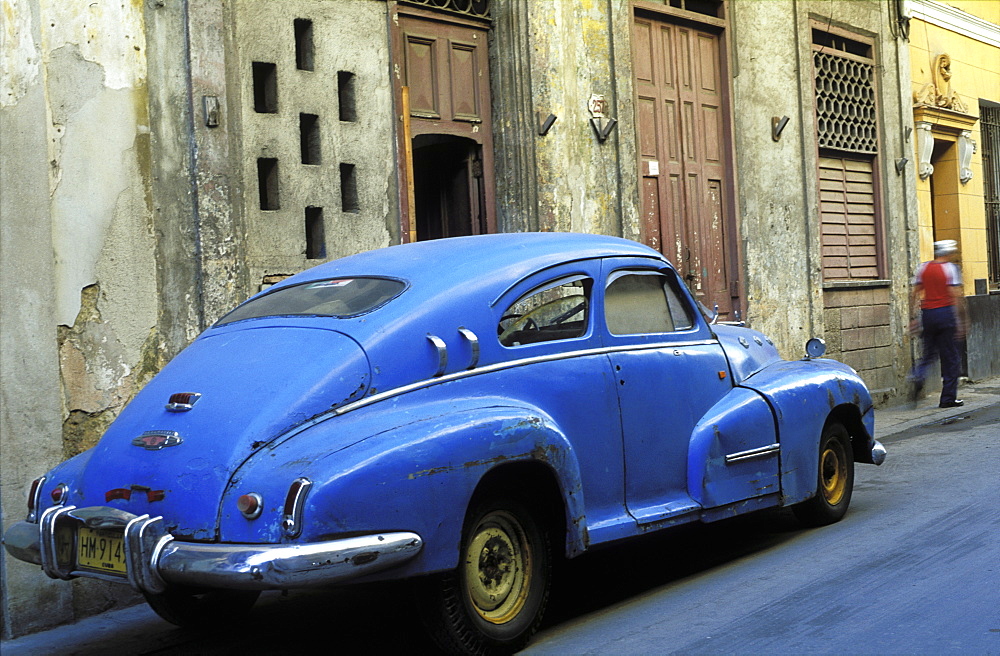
<point>497,568</point>
<point>833,472</point>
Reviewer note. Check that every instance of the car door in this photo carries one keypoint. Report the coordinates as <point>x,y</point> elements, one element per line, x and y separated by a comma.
<point>669,372</point>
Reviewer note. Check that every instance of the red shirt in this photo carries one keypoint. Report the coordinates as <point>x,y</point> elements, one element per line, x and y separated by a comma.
<point>937,279</point>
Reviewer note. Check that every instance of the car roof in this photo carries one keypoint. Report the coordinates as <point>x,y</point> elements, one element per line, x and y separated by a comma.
<point>506,257</point>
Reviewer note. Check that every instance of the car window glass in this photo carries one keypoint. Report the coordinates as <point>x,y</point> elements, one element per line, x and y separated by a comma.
<point>641,302</point>
<point>680,310</point>
<point>343,297</point>
<point>557,312</point>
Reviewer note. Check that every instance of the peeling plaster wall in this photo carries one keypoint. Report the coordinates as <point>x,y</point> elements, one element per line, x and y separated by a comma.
<point>573,55</point>
<point>79,327</point>
<point>786,294</point>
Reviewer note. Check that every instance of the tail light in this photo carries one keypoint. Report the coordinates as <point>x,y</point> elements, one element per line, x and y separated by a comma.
<point>34,498</point>
<point>294,502</point>
<point>59,494</point>
<point>250,505</point>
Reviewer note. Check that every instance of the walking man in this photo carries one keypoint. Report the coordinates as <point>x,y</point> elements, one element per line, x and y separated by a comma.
<point>938,286</point>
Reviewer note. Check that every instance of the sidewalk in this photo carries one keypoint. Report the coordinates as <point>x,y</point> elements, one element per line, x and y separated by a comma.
<point>137,629</point>
<point>893,421</point>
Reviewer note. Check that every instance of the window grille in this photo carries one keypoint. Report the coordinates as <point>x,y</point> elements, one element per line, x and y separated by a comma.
<point>989,122</point>
<point>845,103</point>
<point>474,8</point>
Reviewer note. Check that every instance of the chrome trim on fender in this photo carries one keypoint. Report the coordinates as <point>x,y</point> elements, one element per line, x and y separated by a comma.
<point>442,353</point>
<point>473,344</point>
<point>750,454</point>
<point>282,566</point>
<point>291,523</point>
<point>36,500</point>
<point>499,366</point>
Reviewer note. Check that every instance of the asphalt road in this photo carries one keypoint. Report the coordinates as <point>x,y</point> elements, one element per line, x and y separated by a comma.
<point>914,568</point>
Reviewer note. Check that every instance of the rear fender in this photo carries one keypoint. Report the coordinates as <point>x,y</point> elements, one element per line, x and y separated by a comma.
<point>805,395</point>
<point>417,477</point>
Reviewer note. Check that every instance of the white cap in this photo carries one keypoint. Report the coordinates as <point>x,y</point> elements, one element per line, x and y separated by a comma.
<point>945,247</point>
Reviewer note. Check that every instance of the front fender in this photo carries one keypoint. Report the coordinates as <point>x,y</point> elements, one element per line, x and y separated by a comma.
<point>804,395</point>
<point>418,476</point>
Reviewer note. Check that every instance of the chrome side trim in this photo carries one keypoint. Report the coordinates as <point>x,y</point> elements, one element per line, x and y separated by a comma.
<point>442,353</point>
<point>500,366</point>
<point>473,344</point>
<point>291,524</point>
<point>283,566</point>
<point>750,454</point>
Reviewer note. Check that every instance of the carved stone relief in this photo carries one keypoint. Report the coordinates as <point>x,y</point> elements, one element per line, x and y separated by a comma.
<point>939,92</point>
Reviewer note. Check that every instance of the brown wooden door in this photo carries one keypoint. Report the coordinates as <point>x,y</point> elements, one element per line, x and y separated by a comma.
<point>443,61</point>
<point>684,160</point>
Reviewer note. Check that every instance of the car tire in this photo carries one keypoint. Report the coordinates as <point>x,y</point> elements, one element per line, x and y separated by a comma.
<point>188,608</point>
<point>835,480</point>
<point>494,601</point>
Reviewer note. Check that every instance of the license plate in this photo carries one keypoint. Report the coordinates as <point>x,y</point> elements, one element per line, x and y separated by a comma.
<point>100,550</point>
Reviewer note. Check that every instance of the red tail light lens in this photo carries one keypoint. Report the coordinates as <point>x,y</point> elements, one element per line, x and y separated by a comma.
<point>250,505</point>
<point>59,494</point>
<point>33,493</point>
<point>34,498</point>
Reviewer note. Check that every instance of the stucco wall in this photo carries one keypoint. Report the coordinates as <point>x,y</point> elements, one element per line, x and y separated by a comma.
<point>581,184</point>
<point>79,306</point>
<point>974,48</point>
<point>779,201</point>
<point>349,36</point>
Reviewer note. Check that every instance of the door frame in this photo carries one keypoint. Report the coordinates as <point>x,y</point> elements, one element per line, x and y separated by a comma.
<point>408,127</point>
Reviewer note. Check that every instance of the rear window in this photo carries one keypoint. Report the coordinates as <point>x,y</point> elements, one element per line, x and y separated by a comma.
<point>343,297</point>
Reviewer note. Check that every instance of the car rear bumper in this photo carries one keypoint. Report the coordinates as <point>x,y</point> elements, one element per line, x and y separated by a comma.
<point>154,559</point>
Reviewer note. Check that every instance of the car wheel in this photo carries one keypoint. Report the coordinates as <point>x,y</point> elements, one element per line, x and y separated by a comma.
<point>493,602</point>
<point>193,608</point>
<point>835,480</point>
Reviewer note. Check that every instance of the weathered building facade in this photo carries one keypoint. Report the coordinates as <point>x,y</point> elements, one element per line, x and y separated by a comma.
<point>954,55</point>
<point>163,160</point>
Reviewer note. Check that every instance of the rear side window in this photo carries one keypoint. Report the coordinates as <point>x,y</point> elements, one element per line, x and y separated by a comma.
<point>643,302</point>
<point>342,297</point>
<point>558,311</point>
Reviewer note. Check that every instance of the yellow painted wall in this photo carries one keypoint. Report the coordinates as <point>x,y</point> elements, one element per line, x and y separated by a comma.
<point>975,68</point>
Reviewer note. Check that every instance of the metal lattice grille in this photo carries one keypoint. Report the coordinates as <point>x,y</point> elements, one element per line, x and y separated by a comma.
<point>845,103</point>
<point>989,122</point>
<point>476,8</point>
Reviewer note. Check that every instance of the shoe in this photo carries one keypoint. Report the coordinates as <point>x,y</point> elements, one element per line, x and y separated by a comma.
<point>916,388</point>
<point>957,403</point>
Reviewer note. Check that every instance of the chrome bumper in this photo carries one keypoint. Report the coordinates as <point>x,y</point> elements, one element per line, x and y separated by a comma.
<point>878,453</point>
<point>154,559</point>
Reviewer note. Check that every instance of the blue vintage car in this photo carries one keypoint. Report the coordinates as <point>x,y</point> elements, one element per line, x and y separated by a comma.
<point>457,412</point>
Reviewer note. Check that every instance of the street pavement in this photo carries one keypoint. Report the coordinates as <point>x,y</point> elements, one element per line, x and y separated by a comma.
<point>127,631</point>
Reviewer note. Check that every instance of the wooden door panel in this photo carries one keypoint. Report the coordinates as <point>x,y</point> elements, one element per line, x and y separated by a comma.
<point>464,80</point>
<point>421,76</point>
<point>680,69</point>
